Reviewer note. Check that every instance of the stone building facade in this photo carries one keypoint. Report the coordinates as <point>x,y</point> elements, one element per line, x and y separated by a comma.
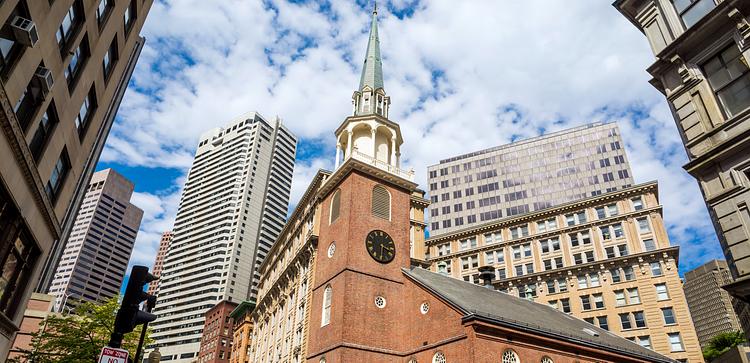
<point>64,68</point>
<point>605,259</point>
<point>702,50</point>
<point>713,310</point>
<point>341,283</point>
<point>243,325</point>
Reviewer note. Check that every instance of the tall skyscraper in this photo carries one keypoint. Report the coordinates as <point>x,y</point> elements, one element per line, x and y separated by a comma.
<point>232,209</point>
<point>64,67</point>
<point>702,66</point>
<point>526,176</point>
<point>605,259</point>
<point>711,307</point>
<point>96,255</point>
<point>166,239</point>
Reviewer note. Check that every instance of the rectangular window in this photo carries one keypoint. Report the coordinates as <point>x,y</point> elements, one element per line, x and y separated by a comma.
<point>617,230</point>
<point>585,303</point>
<point>70,24</point>
<point>644,341</point>
<point>633,296</point>
<point>59,173</point>
<point>668,314</point>
<point>643,226</point>
<point>129,20</point>
<point>28,104</point>
<point>495,237</point>
<point>622,250</point>
<point>77,62</point>
<point>527,250</point>
<point>649,244</point>
<point>598,301</point>
<point>602,320</point>
<point>594,279</point>
<point>656,269</point>
<point>661,292</point>
<point>616,276</point>
<point>625,321</point>
<point>729,77</point>
<point>629,274</point>
<point>574,240</point>
<point>620,298</point>
<point>582,282</point>
<point>43,132</point>
<point>110,58</point>
<point>102,11</point>
<point>675,341</point>
<point>565,305</point>
<point>640,319</point>
<point>637,203</point>
<point>691,11</point>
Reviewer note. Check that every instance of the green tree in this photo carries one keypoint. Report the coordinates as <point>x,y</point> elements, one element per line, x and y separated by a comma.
<point>78,337</point>
<point>723,342</point>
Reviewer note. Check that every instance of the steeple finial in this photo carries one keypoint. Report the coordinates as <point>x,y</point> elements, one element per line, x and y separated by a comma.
<point>375,8</point>
<point>372,70</point>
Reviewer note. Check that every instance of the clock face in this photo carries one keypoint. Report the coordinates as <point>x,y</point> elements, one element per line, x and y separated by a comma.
<point>380,246</point>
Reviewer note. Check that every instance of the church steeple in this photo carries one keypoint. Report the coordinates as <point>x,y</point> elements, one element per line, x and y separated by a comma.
<point>372,71</point>
<point>368,135</point>
<point>370,97</point>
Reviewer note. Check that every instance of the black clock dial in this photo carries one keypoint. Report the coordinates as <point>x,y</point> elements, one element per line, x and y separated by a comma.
<point>380,246</point>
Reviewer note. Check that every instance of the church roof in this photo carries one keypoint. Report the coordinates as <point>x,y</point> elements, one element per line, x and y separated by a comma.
<point>372,70</point>
<point>508,310</point>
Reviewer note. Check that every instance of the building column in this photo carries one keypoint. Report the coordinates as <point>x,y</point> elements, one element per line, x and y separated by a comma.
<point>374,145</point>
<point>338,155</point>
<point>348,144</point>
<point>393,151</point>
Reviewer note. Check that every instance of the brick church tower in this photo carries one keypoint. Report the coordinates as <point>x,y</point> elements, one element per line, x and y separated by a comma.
<point>363,241</point>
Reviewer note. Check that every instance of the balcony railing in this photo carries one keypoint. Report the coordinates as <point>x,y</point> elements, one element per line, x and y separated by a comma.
<point>382,165</point>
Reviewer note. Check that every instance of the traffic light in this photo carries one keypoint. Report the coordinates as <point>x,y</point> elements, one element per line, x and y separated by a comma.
<point>130,315</point>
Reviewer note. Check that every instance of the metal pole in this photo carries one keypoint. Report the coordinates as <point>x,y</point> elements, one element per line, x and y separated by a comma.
<point>149,305</point>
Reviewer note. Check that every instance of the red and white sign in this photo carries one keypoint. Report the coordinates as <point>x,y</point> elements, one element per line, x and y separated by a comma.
<point>113,355</point>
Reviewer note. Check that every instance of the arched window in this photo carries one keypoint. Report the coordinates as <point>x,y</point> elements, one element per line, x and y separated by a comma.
<point>509,356</point>
<point>327,297</point>
<point>547,360</point>
<point>439,357</point>
<point>335,206</point>
<point>381,202</point>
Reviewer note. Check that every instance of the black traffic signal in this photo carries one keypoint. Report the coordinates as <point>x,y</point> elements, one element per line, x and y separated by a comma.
<point>130,315</point>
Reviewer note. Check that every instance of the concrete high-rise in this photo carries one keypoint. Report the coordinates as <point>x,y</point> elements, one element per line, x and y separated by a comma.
<point>526,176</point>
<point>711,307</point>
<point>232,209</point>
<point>64,67</point>
<point>166,239</point>
<point>702,66</point>
<point>96,255</point>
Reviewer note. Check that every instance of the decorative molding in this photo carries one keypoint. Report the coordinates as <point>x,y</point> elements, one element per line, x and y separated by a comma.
<point>686,71</point>
<point>742,36</point>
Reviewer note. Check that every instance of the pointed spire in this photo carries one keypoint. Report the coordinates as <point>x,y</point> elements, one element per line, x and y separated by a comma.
<point>372,71</point>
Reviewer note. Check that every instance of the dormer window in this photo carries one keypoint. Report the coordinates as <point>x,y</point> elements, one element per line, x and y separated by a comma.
<point>366,105</point>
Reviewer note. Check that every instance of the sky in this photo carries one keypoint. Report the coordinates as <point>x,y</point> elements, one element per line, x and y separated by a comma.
<point>462,76</point>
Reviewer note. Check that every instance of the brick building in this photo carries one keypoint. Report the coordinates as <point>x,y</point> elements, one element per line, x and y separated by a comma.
<point>243,325</point>
<point>166,239</point>
<point>216,341</point>
<point>341,285</point>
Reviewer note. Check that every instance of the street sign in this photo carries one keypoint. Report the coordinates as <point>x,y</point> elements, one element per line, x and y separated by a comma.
<point>113,355</point>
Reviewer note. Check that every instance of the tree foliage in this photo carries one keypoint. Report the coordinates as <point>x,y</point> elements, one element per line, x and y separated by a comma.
<point>723,342</point>
<point>78,337</point>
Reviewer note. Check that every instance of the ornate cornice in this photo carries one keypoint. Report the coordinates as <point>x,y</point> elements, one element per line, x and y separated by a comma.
<point>15,136</point>
<point>651,187</point>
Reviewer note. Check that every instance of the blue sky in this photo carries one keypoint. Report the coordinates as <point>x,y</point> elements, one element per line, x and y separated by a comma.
<point>462,75</point>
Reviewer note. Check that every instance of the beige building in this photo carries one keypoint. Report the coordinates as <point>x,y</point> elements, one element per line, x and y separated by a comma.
<point>702,50</point>
<point>243,326</point>
<point>64,67</point>
<point>605,259</point>
<point>526,176</point>
<point>713,310</point>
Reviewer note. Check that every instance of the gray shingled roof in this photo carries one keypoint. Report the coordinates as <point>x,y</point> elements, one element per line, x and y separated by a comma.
<point>372,70</point>
<point>509,310</point>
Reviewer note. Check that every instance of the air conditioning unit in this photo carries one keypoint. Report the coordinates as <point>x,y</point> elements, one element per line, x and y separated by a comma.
<point>44,76</point>
<point>25,31</point>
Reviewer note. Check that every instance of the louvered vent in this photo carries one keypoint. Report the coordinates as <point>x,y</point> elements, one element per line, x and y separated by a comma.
<point>381,202</point>
<point>335,206</point>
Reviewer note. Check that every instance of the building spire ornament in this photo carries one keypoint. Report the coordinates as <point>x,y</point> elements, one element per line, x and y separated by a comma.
<point>372,70</point>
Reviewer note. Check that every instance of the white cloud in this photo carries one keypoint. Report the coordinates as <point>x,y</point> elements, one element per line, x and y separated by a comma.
<point>462,75</point>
